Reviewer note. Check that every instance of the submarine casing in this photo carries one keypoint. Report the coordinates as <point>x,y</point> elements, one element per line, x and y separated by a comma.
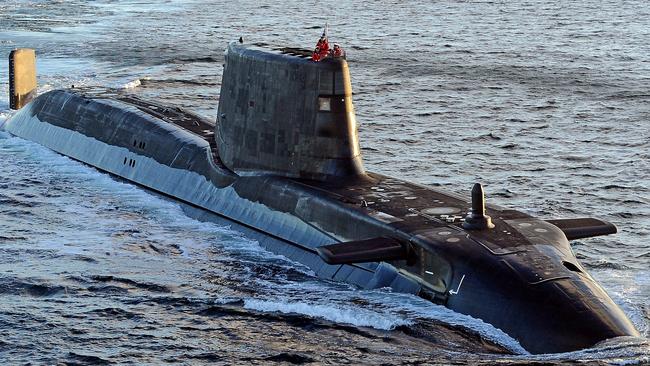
<point>518,282</point>
<point>107,134</point>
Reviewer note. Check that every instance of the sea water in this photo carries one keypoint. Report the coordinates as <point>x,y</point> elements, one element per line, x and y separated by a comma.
<point>546,103</point>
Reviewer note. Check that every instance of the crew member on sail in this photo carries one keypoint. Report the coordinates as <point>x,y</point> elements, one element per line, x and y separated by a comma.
<point>322,49</point>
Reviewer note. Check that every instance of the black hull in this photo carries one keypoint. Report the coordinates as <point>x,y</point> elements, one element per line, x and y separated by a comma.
<point>515,278</point>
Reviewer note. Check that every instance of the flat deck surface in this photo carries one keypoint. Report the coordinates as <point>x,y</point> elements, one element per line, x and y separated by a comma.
<point>415,208</point>
<point>182,118</point>
<point>403,205</point>
<point>175,115</point>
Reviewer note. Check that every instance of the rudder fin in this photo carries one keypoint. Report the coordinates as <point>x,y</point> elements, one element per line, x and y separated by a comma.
<point>22,77</point>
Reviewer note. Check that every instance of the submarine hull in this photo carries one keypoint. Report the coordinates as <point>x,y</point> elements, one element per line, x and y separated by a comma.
<point>286,165</point>
<point>295,217</point>
<point>125,141</point>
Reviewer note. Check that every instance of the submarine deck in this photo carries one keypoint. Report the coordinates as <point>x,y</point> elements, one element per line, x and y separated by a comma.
<point>403,205</point>
<point>174,115</point>
<point>182,118</point>
<point>417,209</point>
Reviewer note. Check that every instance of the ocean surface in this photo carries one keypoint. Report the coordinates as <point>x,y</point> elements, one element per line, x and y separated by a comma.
<point>547,103</point>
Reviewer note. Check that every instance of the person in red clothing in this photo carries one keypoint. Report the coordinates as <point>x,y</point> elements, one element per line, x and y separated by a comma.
<point>315,56</point>
<point>322,49</point>
<point>338,51</point>
<point>324,45</point>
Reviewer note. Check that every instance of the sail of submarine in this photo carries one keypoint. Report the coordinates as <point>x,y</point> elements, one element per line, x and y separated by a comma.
<point>283,159</point>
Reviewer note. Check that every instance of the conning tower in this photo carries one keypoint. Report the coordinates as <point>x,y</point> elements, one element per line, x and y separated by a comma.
<point>287,115</point>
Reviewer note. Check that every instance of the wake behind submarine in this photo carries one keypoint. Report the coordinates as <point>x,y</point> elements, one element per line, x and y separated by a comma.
<point>283,159</point>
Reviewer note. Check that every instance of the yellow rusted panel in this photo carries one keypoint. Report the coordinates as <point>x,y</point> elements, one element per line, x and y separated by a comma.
<point>22,77</point>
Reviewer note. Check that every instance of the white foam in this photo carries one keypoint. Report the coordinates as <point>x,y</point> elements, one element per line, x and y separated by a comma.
<point>346,315</point>
<point>4,116</point>
<point>45,88</point>
<point>105,205</point>
<point>418,308</point>
<point>615,351</point>
<point>132,84</point>
<point>629,289</point>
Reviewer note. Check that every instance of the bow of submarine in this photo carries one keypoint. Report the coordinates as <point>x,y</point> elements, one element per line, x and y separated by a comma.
<point>537,293</point>
<point>521,277</point>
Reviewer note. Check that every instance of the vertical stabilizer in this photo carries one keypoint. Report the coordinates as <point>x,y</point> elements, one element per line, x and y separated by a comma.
<point>22,77</point>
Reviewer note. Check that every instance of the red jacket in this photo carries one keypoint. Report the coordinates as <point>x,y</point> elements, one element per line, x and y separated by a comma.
<point>322,48</point>
<point>324,45</point>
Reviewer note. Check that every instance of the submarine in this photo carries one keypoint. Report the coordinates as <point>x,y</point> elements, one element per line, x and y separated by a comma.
<point>283,159</point>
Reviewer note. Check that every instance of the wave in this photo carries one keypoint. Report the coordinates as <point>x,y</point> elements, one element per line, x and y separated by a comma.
<point>113,313</point>
<point>206,59</point>
<point>346,315</point>
<point>429,113</point>
<point>75,358</point>
<point>132,84</point>
<point>378,309</point>
<point>604,264</point>
<point>510,146</point>
<point>488,136</point>
<point>15,286</point>
<point>153,287</point>
<point>153,81</point>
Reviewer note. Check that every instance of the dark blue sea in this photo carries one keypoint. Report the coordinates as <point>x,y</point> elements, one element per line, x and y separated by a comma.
<point>547,103</point>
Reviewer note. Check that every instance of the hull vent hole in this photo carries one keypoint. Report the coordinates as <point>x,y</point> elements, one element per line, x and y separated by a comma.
<point>571,267</point>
